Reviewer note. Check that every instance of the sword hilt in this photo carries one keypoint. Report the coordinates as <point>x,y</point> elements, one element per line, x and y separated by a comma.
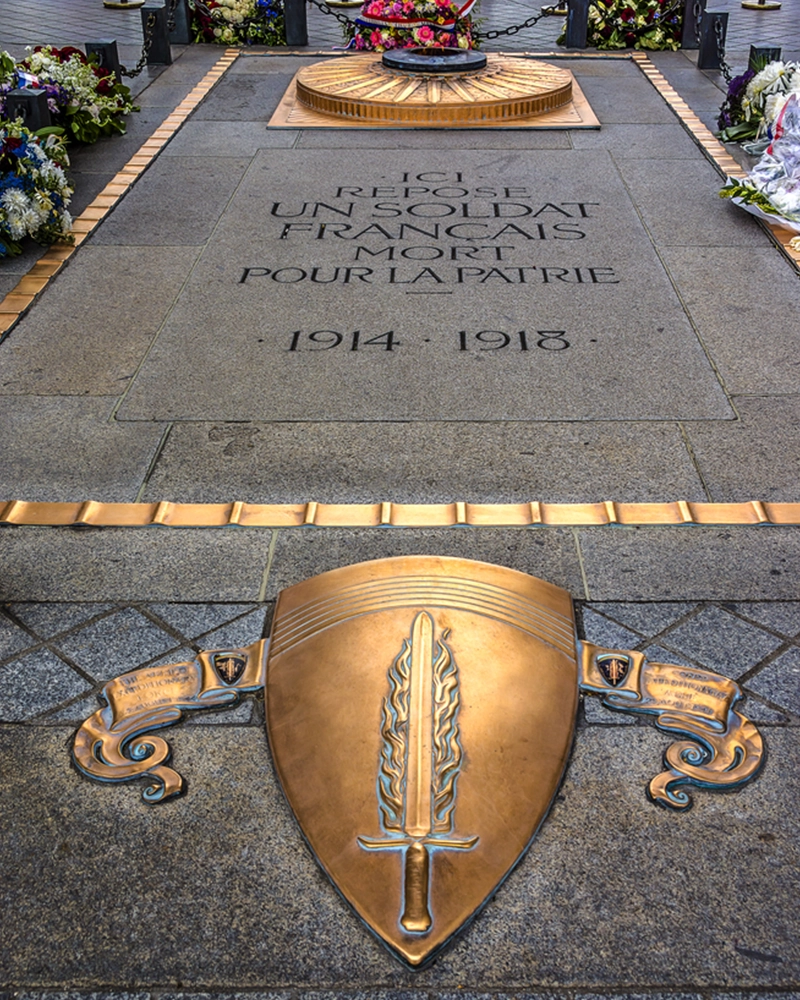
<point>416,916</point>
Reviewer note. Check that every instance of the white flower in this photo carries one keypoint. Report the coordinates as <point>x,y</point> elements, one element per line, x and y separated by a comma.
<point>773,106</point>
<point>769,74</point>
<point>16,227</point>
<point>14,200</point>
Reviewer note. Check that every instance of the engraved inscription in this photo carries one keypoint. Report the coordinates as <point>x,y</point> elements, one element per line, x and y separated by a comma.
<point>429,230</point>
<point>464,341</point>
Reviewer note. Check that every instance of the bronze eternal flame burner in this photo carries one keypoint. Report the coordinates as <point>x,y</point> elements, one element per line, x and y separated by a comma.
<point>433,87</point>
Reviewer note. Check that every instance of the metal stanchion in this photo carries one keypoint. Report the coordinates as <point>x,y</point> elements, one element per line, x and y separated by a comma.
<point>294,14</point>
<point>123,4</point>
<point>159,52</point>
<point>692,17</point>
<point>760,55</point>
<point>713,31</point>
<point>577,24</point>
<point>761,4</point>
<point>30,105</point>
<point>179,23</point>
<point>107,56</point>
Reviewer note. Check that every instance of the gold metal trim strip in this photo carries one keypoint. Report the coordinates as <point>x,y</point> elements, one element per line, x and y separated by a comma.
<point>388,514</point>
<point>714,149</point>
<point>19,300</point>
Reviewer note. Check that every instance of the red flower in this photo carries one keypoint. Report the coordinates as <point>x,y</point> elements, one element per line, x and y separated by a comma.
<point>64,54</point>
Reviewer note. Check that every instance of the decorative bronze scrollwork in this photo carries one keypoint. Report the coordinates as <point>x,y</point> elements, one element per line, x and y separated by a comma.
<point>420,712</point>
<point>728,749</point>
<point>110,745</point>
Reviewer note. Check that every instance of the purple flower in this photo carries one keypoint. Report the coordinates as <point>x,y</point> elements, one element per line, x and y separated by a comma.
<point>738,84</point>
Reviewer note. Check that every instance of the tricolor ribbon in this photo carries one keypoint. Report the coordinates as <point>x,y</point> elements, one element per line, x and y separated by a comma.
<point>449,24</point>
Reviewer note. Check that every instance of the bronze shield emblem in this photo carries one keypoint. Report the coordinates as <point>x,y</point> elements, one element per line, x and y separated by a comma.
<point>420,712</point>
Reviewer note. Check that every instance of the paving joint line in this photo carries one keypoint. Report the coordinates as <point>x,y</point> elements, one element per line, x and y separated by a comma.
<point>29,288</point>
<point>714,149</point>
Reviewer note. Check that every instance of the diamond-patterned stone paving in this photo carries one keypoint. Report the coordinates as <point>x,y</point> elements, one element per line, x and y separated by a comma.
<point>56,657</point>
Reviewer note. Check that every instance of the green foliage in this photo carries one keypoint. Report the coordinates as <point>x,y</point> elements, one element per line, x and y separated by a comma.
<point>638,24</point>
<point>87,101</point>
<point>749,194</point>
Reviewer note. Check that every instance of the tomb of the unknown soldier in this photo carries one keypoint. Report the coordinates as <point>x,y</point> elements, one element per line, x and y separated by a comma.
<point>399,500</point>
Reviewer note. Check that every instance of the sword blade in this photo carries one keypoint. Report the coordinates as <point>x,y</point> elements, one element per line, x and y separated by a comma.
<point>419,783</point>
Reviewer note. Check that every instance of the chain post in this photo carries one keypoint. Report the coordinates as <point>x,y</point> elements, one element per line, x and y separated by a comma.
<point>761,55</point>
<point>105,50</point>
<point>178,23</point>
<point>712,40</point>
<point>692,16</point>
<point>294,18</point>
<point>577,24</point>
<point>30,105</point>
<point>159,52</point>
<point>148,26</point>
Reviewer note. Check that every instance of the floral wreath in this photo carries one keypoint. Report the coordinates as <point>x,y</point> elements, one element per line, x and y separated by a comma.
<point>445,18</point>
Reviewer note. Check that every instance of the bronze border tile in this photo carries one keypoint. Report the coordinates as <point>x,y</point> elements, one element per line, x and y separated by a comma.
<point>457,514</point>
<point>17,302</point>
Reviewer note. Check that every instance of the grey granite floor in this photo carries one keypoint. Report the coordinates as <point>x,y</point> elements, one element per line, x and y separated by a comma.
<point>140,376</point>
<point>56,656</point>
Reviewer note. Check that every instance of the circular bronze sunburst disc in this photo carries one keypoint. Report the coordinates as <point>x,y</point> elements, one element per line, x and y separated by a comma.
<point>361,88</point>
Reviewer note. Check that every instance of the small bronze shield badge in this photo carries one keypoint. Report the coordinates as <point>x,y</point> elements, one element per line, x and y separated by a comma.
<point>229,667</point>
<point>420,713</point>
<point>613,667</point>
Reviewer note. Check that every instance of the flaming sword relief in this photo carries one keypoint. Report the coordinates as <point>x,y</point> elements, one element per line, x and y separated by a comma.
<point>420,763</point>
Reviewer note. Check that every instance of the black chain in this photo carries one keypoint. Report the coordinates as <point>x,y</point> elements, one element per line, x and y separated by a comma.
<point>697,10</point>
<point>341,18</point>
<point>719,35</point>
<point>149,34</point>
<point>512,29</point>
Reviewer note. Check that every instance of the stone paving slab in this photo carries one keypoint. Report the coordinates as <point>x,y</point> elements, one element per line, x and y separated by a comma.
<point>735,322</point>
<point>215,894</point>
<point>102,337</point>
<point>657,564</point>
<point>415,462</point>
<point>235,564</point>
<point>177,203</point>
<point>556,922</point>
<point>63,446</point>
<point>605,378</point>
<point>755,454</point>
<point>118,564</point>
